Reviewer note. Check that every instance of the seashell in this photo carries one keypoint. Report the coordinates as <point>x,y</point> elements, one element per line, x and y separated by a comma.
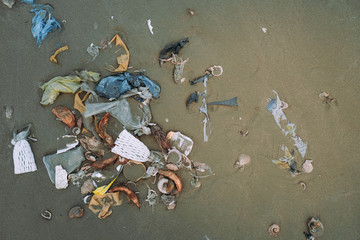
<point>165,185</point>
<point>65,115</point>
<point>242,161</point>
<point>173,156</point>
<point>46,215</point>
<point>307,166</point>
<point>323,95</point>
<point>303,185</point>
<point>172,167</point>
<point>274,230</point>
<point>87,187</point>
<point>316,228</point>
<point>76,212</point>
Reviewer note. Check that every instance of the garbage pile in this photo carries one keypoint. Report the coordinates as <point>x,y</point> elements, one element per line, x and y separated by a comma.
<point>98,162</point>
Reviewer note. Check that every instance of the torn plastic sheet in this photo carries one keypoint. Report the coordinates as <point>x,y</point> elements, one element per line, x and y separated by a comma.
<point>287,162</point>
<point>123,59</point>
<point>121,110</point>
<point>276,107</point>
<point>43,22</point>
<point>67,84</point>
<point>114,86</point>
<point>69,160</point>
<point>66,143</point>
<point>203,109</point>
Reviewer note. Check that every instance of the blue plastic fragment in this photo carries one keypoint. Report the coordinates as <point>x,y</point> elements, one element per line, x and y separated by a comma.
<point>43,22</point>
<point>271,106</point>
<point>27,1</point>
<point>114,86</point>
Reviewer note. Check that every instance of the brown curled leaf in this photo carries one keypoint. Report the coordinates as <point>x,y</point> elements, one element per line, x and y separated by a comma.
<point>103,124</point>
<point>65,115</point>
<point>103,162</point>
<point>128,192</point>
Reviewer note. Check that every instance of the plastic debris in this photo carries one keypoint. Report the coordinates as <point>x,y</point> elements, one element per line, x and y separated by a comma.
<point>230,102</point>
<point>172,48</point>
<point>178,140</point>
<point>132,119</point>
<point>264,30</point>
<point>103,189</point>
<point>66,142</point>
<point>22,154</point>
<point>148,22</point>
<point>101,204</point>
<point>134,171</point>
<point>61,181</point>
<point>123,59</point>
<point>113,86</point>
<point>27,1</point>
<point>276,107</point>
<point>127,146</point>
<point>203,109</point>
<point>62,49</point>
<point>43,22</point>
<point>9,3</point>
<point>69,160</point>
<point>151,197</point>
<point>104,177</point>
<point>193,97</point>
<point>93,51</point>
<point>9,110</point>
<point>169,201</point>
<point>68,84</point>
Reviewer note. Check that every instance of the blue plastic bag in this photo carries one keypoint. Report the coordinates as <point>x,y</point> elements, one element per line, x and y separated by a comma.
<point>114,86</point>
<point>43,22</point>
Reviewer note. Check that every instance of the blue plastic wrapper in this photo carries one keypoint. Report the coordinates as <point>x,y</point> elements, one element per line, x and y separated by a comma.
<point>43,22</point>
<point>27,1</point>
<point>113,86</point>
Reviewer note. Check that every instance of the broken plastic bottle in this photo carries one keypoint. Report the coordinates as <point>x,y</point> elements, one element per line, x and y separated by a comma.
<point>181,142</point>
<point>106,175</point>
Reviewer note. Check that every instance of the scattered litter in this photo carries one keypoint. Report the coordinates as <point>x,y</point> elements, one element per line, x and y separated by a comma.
<point>46,215</point>
<point>101,204</point>
<point>151,197</point>
<point>134,171</point>
<point>169,201</point>
<point>9,110</point>
<point>123,59</point>
<point>230,102</point>
<point>179,65</point>
<point>87,187</point>
<point>172,48</point>
<point>274,230</point>
<point>76,212</point>
<point>242,161</point>
<point>27,1</point>
<point>62,49</point>
<point>104,177</point>
<point>23,156</point>
<point>9,3</point>
<point>130,194</point>
<point>43,22</point>
<point>148,22</point>
<point>264,30</point>
<point>68,84</point>
<point>307,166</point>
<point>61,181</point>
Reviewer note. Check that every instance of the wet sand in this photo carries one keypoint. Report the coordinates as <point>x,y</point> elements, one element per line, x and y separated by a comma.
<point>310,47</point>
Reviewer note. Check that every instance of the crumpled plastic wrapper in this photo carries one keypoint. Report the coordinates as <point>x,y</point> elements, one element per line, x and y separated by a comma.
<point>101,203</point>
<point>67,84</point>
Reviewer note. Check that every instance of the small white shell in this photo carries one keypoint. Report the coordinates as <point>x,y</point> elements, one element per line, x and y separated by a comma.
<point>243,160</point>
<point>274,230</point>
<point>307,166</point>
<point>162,185</point>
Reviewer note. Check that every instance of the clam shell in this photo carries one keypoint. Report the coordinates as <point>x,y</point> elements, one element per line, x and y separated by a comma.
<point>274,230</point>
<point>307,166</point>
<point>316,228</point>
<point>87,187</point>
<point>243,160</point>
<point>76,212</point>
